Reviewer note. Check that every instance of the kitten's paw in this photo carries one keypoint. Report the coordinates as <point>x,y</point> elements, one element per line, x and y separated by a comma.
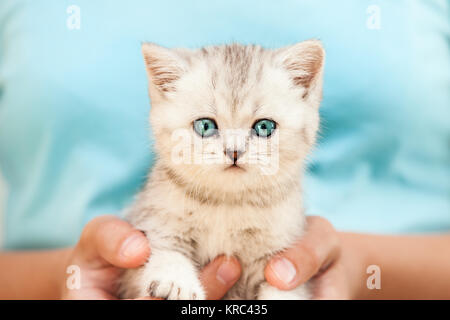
<point>169,275</point>
<point>172,290</point>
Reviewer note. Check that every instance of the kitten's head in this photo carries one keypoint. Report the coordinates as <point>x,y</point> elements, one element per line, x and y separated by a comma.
<point>234,118</point>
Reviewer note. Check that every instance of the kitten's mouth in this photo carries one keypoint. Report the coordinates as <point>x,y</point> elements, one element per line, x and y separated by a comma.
<point>234,167</point>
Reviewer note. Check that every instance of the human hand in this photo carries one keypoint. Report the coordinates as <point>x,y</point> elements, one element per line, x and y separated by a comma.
<point>318,257</point>
<point>108,245</point>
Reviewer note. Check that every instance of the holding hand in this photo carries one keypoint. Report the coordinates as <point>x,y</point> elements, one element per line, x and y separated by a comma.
<point>108,244</point>
<point>317,257</point>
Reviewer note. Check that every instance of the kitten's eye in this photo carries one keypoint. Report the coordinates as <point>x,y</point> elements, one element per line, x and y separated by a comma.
<point>264,127</point>
<point>205,127</point>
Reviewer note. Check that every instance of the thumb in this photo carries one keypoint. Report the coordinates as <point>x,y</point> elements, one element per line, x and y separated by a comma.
<point>219,276</point>
<point>317,250</point>
<point>108,240</point>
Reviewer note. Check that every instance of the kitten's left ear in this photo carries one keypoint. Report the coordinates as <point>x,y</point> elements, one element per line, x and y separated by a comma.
<point>305,61</point>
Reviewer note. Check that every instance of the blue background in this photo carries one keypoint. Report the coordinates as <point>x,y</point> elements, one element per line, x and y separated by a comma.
<point>74,107</point>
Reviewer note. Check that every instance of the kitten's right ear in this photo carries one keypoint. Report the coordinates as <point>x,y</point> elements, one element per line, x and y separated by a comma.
<point>164,68</point>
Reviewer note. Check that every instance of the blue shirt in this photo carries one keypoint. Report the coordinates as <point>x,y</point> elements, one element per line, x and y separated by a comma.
<point>74,135</point>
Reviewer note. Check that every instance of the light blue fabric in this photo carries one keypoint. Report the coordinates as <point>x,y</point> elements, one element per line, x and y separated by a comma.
<point>73,107</point>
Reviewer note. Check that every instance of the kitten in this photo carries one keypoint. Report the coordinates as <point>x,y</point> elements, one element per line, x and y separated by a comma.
<point>232,126</point>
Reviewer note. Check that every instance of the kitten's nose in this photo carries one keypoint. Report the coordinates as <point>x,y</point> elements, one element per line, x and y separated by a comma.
<point>233,154</point>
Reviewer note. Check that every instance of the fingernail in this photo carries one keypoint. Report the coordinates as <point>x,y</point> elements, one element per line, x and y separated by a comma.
<point>227,273</point>
<point>133,245</point>
<point>284,270</point>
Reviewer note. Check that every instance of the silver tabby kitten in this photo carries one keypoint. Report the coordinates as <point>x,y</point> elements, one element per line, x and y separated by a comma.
<point>232,126</point>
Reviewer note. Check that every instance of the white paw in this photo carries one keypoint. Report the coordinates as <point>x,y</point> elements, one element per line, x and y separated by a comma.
<point>169,275</point>
<point>173,290</point>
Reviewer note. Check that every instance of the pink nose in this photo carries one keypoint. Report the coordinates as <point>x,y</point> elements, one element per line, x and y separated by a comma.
<point>233,154</point>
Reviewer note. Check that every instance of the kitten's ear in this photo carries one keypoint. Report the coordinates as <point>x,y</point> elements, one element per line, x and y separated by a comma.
<point>164,68</point>
<point>305,61</point>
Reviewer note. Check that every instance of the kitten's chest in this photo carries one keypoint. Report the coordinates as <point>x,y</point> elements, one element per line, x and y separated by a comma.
<point>247,233</point>
<point>207,231</point>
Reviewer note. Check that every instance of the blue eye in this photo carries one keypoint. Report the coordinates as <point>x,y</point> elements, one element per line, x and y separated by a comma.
<point>205,127</point>
<point>264,127</point>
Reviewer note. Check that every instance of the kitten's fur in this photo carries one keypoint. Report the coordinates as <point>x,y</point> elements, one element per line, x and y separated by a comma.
<point>191,213</point>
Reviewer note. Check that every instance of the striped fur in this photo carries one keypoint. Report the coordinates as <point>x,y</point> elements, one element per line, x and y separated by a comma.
<point>192,212</point>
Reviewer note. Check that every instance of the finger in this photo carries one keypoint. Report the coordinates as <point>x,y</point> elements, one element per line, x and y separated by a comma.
<point>316,250</point>
<point>219,276</point>
<point>109,240</point>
